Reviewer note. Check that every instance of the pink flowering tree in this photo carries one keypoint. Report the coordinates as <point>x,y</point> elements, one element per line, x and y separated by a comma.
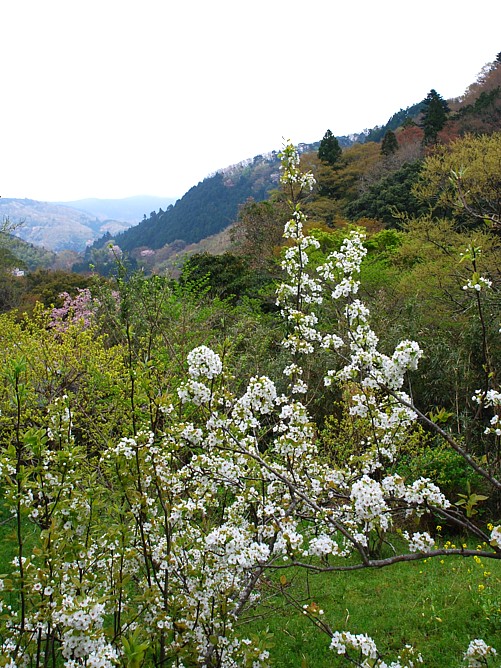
<point>79,310</point>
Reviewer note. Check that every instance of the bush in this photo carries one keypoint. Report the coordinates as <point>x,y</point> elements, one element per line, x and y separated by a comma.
<point>444,467</point>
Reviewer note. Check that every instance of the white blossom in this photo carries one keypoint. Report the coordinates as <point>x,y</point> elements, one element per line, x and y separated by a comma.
<point>477,283</point>
<point>204,363</point>
<point>419,542</point>
<point>477,653</point>
<point>344,640</point>
<point>495,537</point>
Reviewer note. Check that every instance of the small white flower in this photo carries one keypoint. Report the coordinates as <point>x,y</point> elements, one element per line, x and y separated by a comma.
<point>477,653</point>
<point>496,537</point>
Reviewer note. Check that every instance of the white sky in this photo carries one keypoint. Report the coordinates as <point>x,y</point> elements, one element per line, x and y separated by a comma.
<point>112,98</point>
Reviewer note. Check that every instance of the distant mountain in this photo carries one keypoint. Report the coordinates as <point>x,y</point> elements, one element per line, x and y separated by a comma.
<point>205,209</point>
<point>54,226</point>
<point>128,210</point>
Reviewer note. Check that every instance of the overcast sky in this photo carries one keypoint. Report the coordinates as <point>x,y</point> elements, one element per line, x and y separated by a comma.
<point>113,98</point>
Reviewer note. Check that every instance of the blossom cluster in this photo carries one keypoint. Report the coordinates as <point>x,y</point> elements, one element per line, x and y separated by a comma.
<point>491,398</point>
<point>367,655</point>
<point>204,363</point>
<point>420,542</point>
<point>79,618</point>
<point>477,283</point>
<point>291,174</point>
<point>344,640</point>
<point>495,537</point>
<point>477,653</point>
<point>342,267</point>
<point>78,310</point>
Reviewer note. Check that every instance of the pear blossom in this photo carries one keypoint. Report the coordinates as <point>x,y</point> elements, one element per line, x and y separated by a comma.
<point>495,537</point>
<point>477,653</point>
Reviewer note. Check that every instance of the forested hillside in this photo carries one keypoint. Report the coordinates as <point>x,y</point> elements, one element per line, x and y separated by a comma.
<point>206,208</point>
<point>373,177</point>
<point>16,259</point>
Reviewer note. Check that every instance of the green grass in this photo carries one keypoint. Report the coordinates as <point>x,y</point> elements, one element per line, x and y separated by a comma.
<point>8,541</point>
<point>435,606</point>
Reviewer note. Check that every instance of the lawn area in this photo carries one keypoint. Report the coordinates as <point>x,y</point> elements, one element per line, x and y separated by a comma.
<point>437,606</point>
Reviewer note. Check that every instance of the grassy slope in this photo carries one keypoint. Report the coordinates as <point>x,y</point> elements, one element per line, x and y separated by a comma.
<point>435,606</point>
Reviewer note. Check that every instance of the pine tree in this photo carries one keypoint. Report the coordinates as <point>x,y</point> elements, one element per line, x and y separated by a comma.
<point>434,116</point>
<point>329,150</point>
<point>389,145</point>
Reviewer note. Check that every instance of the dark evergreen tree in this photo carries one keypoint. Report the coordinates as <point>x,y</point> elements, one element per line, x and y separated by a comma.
<point>434,116</point>
<point>389,145</point>
<point>329,151</point>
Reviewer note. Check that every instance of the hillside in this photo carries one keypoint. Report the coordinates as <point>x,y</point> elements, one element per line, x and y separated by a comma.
<point>54,226</point>
<point>16,253</point>
<point>206,208</point>
<point>204,211</point>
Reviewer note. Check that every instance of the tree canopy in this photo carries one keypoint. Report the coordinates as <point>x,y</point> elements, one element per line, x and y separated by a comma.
<point>465,176</point>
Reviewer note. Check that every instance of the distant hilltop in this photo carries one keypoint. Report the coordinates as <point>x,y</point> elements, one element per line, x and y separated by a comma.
<point>73,226</point>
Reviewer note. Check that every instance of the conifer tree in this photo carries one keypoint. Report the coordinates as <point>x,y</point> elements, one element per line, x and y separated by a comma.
<point>434,116</point>
<point>329,150</point>
<point>389,145</point>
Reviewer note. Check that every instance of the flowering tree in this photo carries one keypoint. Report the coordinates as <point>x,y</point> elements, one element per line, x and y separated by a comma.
<point>150,549</point>
<point>79,309</point>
